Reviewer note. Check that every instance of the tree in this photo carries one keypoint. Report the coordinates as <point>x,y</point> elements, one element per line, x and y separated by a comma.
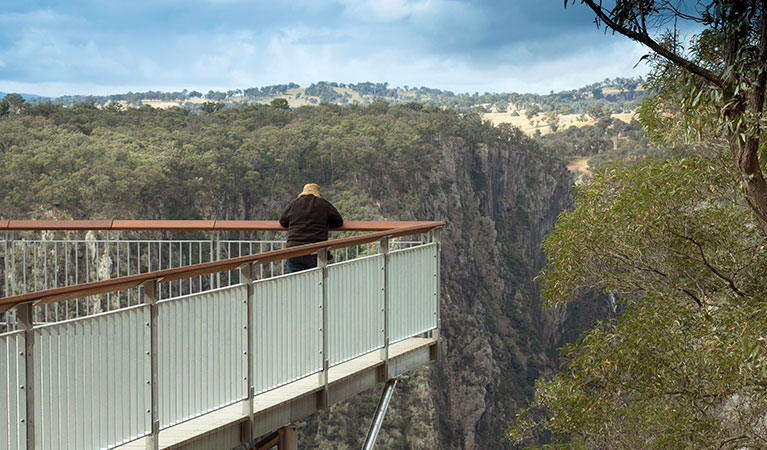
<point>280,103</point>
<point>12,104</point>
<point>552,119</point>
<point>210,107</point>
<point>725,68</point>
<point>532,110</point>
<point>685,364</point>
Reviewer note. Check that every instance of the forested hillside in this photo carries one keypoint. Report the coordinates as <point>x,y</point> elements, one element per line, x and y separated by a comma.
<point>615,95</point>
<point>498,194</point>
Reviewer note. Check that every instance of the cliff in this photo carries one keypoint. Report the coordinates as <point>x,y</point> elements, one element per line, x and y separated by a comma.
<point>498,202</point>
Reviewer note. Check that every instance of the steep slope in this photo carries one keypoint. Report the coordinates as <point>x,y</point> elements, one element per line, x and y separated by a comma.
<point>499,202</point>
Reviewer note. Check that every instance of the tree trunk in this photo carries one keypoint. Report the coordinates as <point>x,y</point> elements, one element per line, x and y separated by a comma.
<point>745,155</point>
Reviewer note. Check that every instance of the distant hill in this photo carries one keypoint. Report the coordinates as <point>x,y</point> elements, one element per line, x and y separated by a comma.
<point>25,96</point>
<point>532,113</point>
<point>619,95</point>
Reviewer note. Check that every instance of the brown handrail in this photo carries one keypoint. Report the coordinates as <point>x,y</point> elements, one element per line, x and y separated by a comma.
<point>166,275</point>
<point>177,225</point>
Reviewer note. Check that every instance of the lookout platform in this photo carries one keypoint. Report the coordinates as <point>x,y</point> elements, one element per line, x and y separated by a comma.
<point>115,336</point>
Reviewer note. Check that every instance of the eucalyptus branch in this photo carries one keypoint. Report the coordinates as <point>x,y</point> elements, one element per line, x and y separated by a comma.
<point>648,268</point>
<point>674,10</point>
<point>645,39</point>
<point>710,266</point>
<point>693,296</point>
<point>731,440</point>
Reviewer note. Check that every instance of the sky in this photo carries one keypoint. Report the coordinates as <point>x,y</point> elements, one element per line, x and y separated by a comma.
<point>102,47</point>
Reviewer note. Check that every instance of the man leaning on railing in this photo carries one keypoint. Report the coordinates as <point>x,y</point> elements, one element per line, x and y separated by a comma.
<point>308,219</point>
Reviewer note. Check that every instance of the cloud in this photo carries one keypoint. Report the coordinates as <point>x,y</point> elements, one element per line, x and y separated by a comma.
<point>85,46</point>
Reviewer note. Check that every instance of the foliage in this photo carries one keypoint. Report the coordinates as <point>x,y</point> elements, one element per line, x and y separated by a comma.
<point>685,364</point>
<point>12,104</point>
<point>605,142</point>
<point>280,103</point>
<point>247,160</point>
<point>210,107</point>
<point>716,86</point>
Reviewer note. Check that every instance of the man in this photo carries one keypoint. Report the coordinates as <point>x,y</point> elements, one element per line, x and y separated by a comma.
<point>308,219</point>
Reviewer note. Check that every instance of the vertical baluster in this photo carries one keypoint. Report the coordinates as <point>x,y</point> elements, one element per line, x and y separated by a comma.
<point>247,277</point>
<point>6,255</point>
<point>45,275</point>
<point>189,262</point>
<point>55,281</point>
<point>119,270</point>
<point>150,299</point>
<point>24,271</point>
<point>211,245</point>
<point>13,265</point>
<point>229,255</point>
<point>108,252</point>
<point>158,246</point>
<point>322,263</point>
<point>261,266</point>
<point>35,257</point>
<point>180,264</point>
<point>77,276</point>
<point>218,257</point>
<point>437,239</point>
<point>383,248</point>
<point>66,275</point>
<point>26,323</point>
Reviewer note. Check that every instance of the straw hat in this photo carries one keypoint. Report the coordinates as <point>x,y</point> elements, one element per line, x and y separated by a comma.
<point>310,189</point>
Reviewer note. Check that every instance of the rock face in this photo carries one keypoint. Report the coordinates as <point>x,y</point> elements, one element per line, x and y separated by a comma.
<point>498,204</point>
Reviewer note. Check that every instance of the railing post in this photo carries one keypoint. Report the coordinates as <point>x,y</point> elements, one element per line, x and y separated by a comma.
<point>322,263</point>
<point>437,289</point>
<point>150,299</point>
<point>11,275</point>
<point>217,240</point>
<point>384,249</point>
<point>6,254</point>
<point>25,322</point>
<point>248,276</point>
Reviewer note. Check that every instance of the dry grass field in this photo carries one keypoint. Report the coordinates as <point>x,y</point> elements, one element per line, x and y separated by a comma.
<point>538,122</point>
<point>163,104</point>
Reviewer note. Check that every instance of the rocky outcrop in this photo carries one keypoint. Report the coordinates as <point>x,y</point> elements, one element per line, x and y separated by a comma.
<point>498,203</point>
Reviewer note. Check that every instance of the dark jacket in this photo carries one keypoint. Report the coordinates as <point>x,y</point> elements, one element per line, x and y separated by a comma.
<point>308,218</point>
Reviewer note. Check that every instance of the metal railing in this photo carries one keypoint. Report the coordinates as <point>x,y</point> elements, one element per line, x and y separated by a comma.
<point>105,379</point>
<point>33,260</point>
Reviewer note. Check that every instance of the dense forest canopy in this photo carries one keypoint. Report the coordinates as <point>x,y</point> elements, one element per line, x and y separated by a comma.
<point>86,162</point>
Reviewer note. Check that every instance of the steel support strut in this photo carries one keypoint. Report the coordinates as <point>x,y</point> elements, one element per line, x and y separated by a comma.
<point>383,404</point>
